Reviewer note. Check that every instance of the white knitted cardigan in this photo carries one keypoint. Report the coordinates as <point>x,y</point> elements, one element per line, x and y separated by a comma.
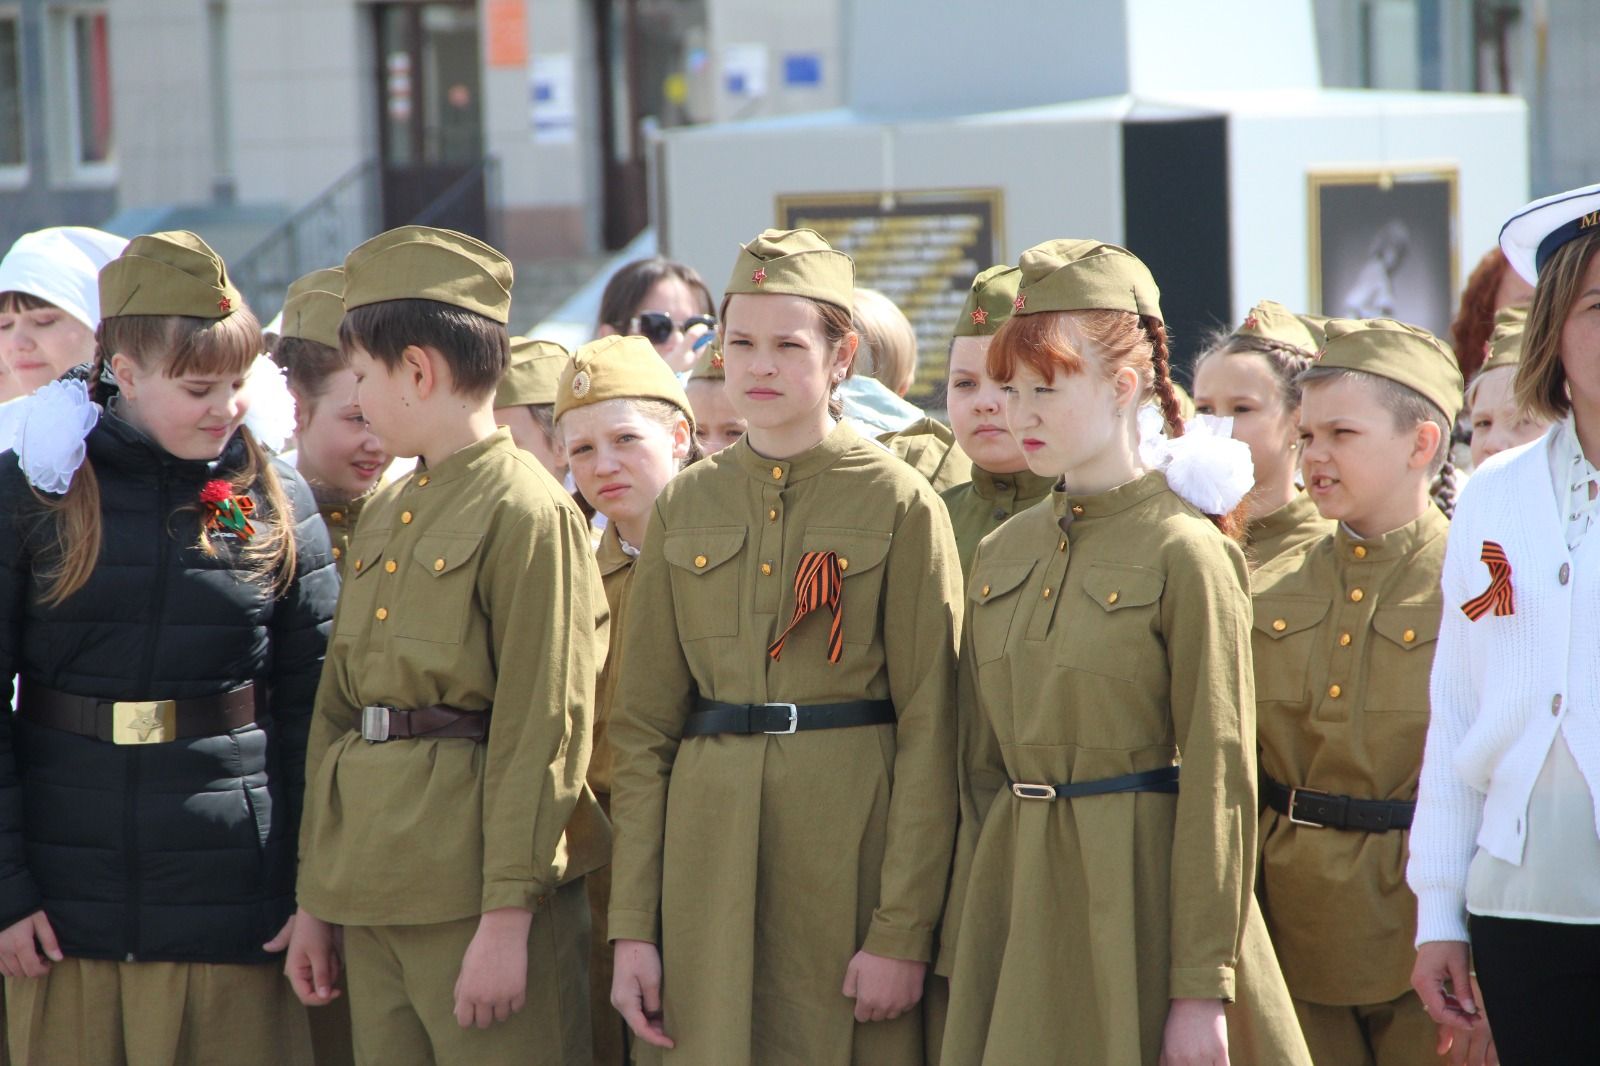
<point>1500,685</point>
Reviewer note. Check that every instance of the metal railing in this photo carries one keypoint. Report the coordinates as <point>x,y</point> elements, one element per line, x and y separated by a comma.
<point>318,235</point>
<point>348,212</point>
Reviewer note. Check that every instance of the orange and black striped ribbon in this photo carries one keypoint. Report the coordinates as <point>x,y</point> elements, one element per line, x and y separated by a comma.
<point>1498,596</point>
<point>818,582</point>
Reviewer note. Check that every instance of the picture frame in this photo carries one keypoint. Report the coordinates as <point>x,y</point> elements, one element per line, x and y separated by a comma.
<point>1383,242</point>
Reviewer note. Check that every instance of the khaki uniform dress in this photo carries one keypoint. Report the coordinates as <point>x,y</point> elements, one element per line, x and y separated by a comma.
<point>611,1037</point>
<point>473,586</point>
<point>1344,638</point>
<point>1292,526</point>
<point>929,447</point>
<point>978,507</point>
<point>1107,635</point>
<point>761,864</point>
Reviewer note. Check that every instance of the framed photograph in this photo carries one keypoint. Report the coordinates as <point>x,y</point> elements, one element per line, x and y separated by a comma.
<point>1383,244</point>
<point>919,248</point>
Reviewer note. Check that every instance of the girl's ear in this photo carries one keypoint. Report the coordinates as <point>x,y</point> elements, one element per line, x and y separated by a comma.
<point>122,368</point>
<point>682,438</point>
<point>845,354</point>
<point>1126,386</point>
<point>1424,445</point>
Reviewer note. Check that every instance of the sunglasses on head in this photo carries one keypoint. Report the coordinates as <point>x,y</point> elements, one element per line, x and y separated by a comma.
<point>656,326</point>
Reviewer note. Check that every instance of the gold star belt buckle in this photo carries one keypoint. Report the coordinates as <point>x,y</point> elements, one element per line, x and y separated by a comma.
<point>144,721</point>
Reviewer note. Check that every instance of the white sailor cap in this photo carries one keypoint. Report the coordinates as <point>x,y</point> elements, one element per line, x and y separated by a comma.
<point>1531,236</point>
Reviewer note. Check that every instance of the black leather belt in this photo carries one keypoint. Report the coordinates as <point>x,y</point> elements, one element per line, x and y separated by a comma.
<point>713,716</point>
<point>140,721</point>
<point>1321,810</point>
<point>1161,779</point>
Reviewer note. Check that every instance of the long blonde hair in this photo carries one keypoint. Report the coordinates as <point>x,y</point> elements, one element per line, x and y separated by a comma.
<point>187,345</point>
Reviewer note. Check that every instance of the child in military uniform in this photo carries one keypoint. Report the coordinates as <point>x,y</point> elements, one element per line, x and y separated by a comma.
<point>335,450</point>
<point>1249,375</point>
<point>1344,637</point>
<point>716,423</point>
<point>784,794</point>
<point>1497,420</point>
<point>167,592</point>
<point>1107,914</point>
<point>525,401</point>
<point>624,425</point>
<point>1001,484</point>
<point>448,826</point>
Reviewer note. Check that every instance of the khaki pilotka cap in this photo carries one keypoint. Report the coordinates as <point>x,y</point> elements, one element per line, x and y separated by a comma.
<point>533,375</point>
<point>1318,325</point>
<point>1270,321</point>
<point>709,366</point>
<point>1084,275</point>
<point>423,263</point>
<point>795,262</point>
<point>989,302</point>
<point>315,307</point>
<point>171,273</point>
<point>1389,349</point>
<point>618,368</point>
<point>1505,344</point>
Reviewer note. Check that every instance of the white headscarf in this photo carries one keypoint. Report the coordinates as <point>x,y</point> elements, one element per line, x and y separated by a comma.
<point>61,264</point>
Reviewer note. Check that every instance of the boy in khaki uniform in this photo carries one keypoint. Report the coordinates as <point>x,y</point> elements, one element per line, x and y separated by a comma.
<point>448,826</point>
<point>1344,634</point>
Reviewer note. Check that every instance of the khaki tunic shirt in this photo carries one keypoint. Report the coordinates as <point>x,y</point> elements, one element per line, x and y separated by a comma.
<point>978,507</point>
<point>930,448</point>
<point>616,573</point>
<point>340,516</point>
<point>1117,646</point>
<point>1344,638</point>
<point>1292,526</point>
<point>763,863</point>
<point>473,586</point>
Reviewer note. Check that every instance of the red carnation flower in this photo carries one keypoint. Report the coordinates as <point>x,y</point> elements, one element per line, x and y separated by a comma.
<point>216,491</point>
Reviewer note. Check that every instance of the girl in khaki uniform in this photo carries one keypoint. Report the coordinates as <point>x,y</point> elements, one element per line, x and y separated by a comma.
<point>1106,913</point>
<point>525,401</point>
<point>335,450</point>
<point>1344,633</point>
<point>1001,485</point>
<point>623,423</point>
<point>783,745</point>
<point>1249,375</point>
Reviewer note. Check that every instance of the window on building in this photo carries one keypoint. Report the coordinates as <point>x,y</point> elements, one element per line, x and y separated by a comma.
<point>78,70</point>
<point>13,135</point>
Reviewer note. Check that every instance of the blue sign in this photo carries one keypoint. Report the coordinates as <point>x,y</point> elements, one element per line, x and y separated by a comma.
<point>802,70</point>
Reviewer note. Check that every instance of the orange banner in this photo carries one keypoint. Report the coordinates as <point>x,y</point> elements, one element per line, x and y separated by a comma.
<point>508,32</point>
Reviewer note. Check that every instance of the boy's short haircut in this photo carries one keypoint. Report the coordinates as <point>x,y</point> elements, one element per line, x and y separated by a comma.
<point>1408,407</point>
<point>476,348</point>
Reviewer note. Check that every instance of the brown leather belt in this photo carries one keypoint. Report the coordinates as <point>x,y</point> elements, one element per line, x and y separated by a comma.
<point>139,721</point>
<point>381,724</point>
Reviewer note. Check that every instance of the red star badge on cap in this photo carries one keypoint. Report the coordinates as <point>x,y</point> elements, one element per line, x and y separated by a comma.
<point>225,305</point>
<point>1021,302</point>
<point>759,276</point>
<point>980,317</point>
<point>1250,321</point>
<point>716,361</point>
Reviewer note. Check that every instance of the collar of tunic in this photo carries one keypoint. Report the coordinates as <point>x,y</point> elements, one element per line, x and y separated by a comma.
<point>1299,509</point>
<point>462,461</point>
<point>1010,488</point>
<point>807,464</point>
<point>1351,550</point>
<point>1072,507</point>
<point>612,554</point>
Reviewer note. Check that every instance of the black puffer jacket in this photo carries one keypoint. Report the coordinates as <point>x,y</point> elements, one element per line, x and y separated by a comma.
<point>183,851</point>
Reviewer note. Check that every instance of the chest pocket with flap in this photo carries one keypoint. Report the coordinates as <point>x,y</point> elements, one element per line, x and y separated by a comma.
<point>1285,632</point>
<point>861,554</point>
<point>1119,636</point>
<point>1402,657</point>
<point>995,594</point>
<point>440,588</point>
<point>705,580</point>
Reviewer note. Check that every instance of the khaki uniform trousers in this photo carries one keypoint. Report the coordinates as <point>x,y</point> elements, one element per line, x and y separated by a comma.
<point>105,1013</point>
<point>331,1043</point>
<point>610,1032</point>
<point>402,992</point>
<point>1396,1033</point>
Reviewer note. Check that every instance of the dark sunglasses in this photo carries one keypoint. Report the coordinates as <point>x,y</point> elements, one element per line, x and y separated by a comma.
<point>656,326</point>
